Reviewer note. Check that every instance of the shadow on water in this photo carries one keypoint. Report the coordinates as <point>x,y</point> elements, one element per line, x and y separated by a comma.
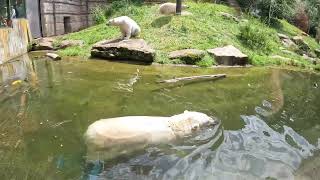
<point>269,120</point>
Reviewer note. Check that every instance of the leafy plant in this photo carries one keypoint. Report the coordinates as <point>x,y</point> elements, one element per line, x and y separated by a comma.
<point>258,37</point>
<point>98,14</point>
<point>207,61</point>
<point>270,9</point>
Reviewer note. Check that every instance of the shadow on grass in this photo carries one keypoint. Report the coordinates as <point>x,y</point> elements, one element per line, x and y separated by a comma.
<point>161,21</point>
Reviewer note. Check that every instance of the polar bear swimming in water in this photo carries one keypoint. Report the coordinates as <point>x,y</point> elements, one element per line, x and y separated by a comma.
<point>128,27</point>
<point>132,130</point>
<point>170,8</point>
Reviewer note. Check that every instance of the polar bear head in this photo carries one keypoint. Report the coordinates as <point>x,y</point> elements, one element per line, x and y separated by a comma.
<point>189,121</point>
<point>116,21</point>
<point>183,6</point>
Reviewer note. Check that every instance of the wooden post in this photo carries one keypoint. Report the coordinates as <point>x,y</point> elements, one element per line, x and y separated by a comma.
<point>178,7</point>
<point>8,9</point>
<point>54,17</point>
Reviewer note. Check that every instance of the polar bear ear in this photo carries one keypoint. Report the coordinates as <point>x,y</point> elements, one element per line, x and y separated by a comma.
<point>186,111</point>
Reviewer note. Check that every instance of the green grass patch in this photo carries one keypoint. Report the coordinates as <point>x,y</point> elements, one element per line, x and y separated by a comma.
<point>204,29</point>
<point>207,61</point>
<point>258,37</point>
<point>285,27</point>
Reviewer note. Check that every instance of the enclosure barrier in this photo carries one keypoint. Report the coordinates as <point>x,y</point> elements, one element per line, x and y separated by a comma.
<point>14,41</point>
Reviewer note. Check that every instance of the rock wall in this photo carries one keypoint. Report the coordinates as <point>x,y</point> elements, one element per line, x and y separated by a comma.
<point>14,41</point>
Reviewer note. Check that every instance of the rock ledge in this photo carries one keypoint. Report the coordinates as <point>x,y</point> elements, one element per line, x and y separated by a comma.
<point>228,55</point>
<point>189,56</point>
<point>130,50</point>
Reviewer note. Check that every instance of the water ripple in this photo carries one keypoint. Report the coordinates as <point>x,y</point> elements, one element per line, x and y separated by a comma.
<point>253,152</point>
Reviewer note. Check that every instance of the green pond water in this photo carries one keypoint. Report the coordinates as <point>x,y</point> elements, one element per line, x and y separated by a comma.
<point>270,120</point>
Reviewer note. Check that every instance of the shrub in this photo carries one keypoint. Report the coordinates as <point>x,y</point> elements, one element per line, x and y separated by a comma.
<point>313,9</point>
<point>114,7</point>
<point>101,13</point>
<point>269,9</point>
<point>207,61</point>
<point>98,14</point>
<point>258,37</point>
<point>301,19</point>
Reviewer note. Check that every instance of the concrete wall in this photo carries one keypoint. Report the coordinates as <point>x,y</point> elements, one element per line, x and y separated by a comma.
<point>33,15</point>
<point>14,41</point>
<point>55,12</point>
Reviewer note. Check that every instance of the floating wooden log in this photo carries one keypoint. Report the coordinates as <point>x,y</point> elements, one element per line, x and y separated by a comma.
<point>195,78</point>
<point>53,56</point>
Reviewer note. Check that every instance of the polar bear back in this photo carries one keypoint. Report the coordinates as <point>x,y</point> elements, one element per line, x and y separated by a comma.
<point>140,130</point>
<point>169,8</point>
<point>126,24</point>
<point>106,133</point>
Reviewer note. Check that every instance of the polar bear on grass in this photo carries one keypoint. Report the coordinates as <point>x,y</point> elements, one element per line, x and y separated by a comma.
<point>142,130</point>
<point>128,27</point>
<point>170,8</point>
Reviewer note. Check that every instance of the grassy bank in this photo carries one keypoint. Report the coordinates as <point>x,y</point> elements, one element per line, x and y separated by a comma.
<point>205,29</point>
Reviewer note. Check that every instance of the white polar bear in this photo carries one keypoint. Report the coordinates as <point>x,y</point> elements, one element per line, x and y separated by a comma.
<point>170,8</point>
<point>128,27</point>
<point>142,130</point>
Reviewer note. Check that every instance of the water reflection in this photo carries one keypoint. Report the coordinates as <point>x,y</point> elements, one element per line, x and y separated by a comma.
<point>253,152</point>
<point>17,78</point>
<point>58,100</point>
<point>21,68</point>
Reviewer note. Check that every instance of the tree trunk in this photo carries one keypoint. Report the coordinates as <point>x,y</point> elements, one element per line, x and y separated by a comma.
<point>178,7</point>
<point>8,9</point>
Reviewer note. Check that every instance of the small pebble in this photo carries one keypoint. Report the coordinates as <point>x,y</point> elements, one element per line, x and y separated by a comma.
<point>41,123</point>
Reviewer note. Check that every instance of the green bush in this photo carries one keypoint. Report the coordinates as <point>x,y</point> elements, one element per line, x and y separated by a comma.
<point>114,7</point>
<point>98,14</point>
<point>270,9</point>
<point>207,61</point>
<point>258,37</point>
<point>101,13</point>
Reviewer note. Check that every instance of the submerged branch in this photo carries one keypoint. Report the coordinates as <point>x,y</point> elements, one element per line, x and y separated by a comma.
<point>195,78</point>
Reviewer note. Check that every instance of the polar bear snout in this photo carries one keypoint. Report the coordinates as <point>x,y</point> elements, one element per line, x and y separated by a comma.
<point>185,6</point>
<point>109,23</point>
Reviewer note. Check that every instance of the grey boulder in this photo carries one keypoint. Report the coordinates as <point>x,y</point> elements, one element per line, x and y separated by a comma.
<point>188,56</point>
<point>70,43</point>
<point>129,50</point>
<point>228,55</point>
<point>43,44</point>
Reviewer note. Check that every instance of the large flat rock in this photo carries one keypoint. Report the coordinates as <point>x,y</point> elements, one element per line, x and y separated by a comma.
<point>129,50</point>
<point>189,56</point>
<point>70,43</point>
<point>303,45</point>
<point>228,55</point>
<point>43,44</point>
